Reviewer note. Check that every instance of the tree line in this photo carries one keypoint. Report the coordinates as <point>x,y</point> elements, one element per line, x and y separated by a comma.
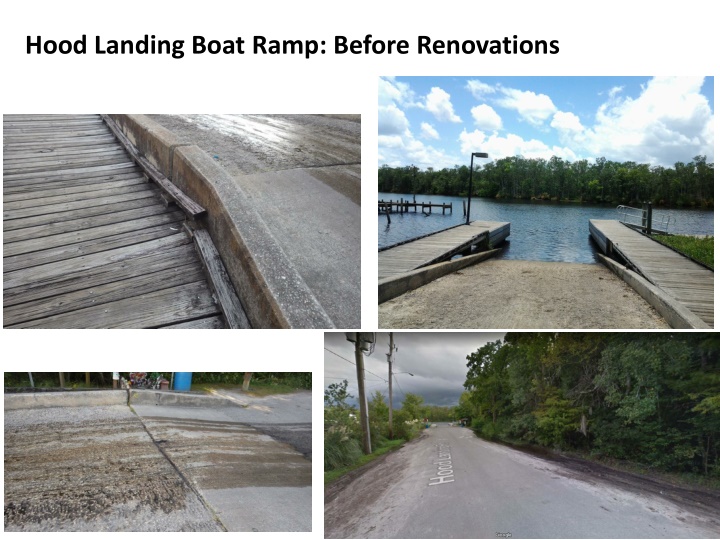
<point>343,432</point>
<point>649,398</point>
<point>51,379</point>
<point>604,181</point>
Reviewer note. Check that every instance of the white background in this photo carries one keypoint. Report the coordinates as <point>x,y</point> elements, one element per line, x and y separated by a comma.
<point>596,38</point>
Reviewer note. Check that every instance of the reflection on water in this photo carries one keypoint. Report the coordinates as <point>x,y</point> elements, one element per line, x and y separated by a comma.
<point>539,231</point>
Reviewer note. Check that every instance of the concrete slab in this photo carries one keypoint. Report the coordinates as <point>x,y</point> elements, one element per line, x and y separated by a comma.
<point>93,469</point>
<point>318,228</point>
<point>235,466</point>
<point>168,462</point>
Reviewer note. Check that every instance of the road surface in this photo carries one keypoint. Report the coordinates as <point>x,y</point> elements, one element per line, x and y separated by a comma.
<point>450,484</point>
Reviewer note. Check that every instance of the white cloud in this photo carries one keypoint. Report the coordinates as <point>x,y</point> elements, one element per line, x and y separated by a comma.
<point>566,121</point>
<point>392,91</point>
<point>479,89</point>
<point>486,118</point>
<point>511,145</point>
<point>438,103</point>
<point>533,108</point>
<point>615,90</point>
<point>391,120</point>
<point>670,121</point>
<point>428,132</point>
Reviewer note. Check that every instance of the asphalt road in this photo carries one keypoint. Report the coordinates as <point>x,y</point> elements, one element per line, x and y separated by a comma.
<point>302,175</point>
<point>450,484</point>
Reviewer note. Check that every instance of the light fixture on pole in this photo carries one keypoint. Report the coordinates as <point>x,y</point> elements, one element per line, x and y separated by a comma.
<point>473,155</point>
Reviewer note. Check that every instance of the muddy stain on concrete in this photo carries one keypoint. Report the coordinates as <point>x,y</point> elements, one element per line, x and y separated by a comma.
<point>219,455</point>
<point>92,466</point>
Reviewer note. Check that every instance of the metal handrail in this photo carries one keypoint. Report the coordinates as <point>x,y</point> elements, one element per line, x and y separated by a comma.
<point>638,217</point>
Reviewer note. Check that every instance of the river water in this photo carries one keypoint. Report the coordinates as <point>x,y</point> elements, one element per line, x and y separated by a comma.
<point>539,231</point>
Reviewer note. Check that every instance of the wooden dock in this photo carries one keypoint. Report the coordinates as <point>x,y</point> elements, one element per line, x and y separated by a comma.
<point>87,241</point>
<point>689,283</point>
<point>439,246</point>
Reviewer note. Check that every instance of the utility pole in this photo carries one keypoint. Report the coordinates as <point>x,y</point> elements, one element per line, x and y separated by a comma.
<point>392,346</point>
<point>364,422</point>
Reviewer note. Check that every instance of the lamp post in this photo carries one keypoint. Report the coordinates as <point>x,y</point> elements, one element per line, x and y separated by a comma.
<point>473,155</point>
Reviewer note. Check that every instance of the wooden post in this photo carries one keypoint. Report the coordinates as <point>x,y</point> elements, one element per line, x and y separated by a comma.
<point>464,208</point>
<point>246,380</point>
<point>387,213</point>
<point>62,380</point>
<point>87,378</point>
<point>649,217</point>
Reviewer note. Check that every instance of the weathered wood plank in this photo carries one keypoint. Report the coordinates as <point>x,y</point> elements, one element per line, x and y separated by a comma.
<point>92,235</point>
<point>156,261</point>
<point>82,213</point>
<point>87,242</point>
<point>59,227</point>
<point>204,323</point>
<point>189,206</point>
<point>57,254</point>
<point>45,272</point>
<point>220,281</point>
<point>159,308</point>
<point>109,292</point>
<point>76,205</point>
<point>689,283</point>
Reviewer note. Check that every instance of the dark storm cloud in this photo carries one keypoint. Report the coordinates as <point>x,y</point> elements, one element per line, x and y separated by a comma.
<point>436,360</point>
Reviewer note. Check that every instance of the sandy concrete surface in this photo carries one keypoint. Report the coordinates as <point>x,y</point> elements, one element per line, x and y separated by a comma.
<point>242,466</point>
<point>302,174</point>
<point>522,294</point>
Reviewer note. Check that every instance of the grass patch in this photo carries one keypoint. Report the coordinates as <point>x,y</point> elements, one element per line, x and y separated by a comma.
<point>331,476</point>
<point>701,249</point>
<point>257,389</point>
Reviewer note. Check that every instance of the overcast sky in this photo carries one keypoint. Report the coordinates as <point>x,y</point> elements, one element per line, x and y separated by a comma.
<point>436,360</point>
<point>439,121</point>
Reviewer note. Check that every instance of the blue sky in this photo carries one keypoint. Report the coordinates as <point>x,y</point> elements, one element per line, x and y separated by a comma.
<point>438,121</point>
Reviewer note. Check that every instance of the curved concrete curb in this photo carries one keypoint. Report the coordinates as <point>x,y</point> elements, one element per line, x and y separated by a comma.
<point>676,314</point>
<point>393,287</point>
<point>41,400</point>
<point>272,292</point>
<point>164,398</point>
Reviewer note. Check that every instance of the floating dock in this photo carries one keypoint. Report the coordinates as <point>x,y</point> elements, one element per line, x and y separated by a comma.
<point>688,282</point>
<point>87,240</point>
<point>440,246</point>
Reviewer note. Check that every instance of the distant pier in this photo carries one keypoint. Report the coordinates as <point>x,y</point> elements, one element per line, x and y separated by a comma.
<point>402,206</point>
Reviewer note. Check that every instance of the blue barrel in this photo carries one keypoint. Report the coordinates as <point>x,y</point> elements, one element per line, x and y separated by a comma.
<point>183,380</point>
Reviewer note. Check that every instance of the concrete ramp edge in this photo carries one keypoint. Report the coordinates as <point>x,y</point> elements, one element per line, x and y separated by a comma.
<point>676,314</point>
<point>272,292</point>
<point>394,286</point>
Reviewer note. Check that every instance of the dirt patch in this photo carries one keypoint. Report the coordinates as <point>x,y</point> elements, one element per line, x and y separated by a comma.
<point>377,476</point>
<point>522,294</point>
<point>65,474</point>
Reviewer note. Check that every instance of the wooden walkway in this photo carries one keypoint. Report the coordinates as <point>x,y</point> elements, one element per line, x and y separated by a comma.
<point>439,247</point>
<point>87,242</point>
<point>689,283</point>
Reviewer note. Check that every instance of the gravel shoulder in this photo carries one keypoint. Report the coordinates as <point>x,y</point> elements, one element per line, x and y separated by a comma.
<point>522,294</point>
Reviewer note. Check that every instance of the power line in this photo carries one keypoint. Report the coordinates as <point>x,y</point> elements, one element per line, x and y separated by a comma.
<point>353,363</point>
